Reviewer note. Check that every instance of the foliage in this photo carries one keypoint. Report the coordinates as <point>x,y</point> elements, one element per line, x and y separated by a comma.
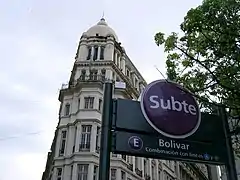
<point>206,58</point>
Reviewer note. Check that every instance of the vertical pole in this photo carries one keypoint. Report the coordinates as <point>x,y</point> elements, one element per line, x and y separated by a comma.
<point>230,165</point>
<point>105,146</point>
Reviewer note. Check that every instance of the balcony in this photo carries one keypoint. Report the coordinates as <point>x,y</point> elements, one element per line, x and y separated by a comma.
<point>83,79</point>
<point>91,78</point>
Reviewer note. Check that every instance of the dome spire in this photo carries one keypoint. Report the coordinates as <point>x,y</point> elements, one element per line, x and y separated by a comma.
<point>103,17</point>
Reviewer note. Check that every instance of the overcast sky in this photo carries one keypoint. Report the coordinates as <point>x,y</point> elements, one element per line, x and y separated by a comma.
<point>38,42</point>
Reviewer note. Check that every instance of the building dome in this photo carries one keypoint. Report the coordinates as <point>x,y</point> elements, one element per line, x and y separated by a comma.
<point>102,29</point>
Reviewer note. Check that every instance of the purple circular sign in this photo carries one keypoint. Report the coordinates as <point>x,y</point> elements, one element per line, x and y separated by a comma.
<point>170,109</point>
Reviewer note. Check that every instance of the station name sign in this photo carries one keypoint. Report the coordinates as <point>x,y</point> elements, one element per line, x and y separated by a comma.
<point>167,124</point>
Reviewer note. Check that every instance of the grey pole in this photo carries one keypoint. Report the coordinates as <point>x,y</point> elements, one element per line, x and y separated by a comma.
<point>230,165</point>
<point>105,146</point>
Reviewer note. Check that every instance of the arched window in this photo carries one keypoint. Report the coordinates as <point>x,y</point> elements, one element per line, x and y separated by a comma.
<point>95,56</point>
<point>102,53</point>
<point>67,110</point>
<point>89,53</point>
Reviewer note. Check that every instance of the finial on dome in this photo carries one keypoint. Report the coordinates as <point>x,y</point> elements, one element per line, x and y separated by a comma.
<point>103,19</point>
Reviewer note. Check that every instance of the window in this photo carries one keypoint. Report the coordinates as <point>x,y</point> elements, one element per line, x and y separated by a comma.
<point>123,175</point>
<point>113,174</point>
<point>127,72</point>
<point>78,103</point>
<point>83,75</point>
<point>85,138</point>
<point>136,82</point>
<point>98,140</point>
<point>103,72</point>
<point>59,173</point>
<point>62,143</point>
<point>102,53</point>
<point>118,79</point>
<point>89,53</point>
<point>67,110</point>
<point>95,56</point>
<point>89,101</point>
<point>95,74</point>
<point>82,171</point>
<point>95,172</point>
<point>100,104</point>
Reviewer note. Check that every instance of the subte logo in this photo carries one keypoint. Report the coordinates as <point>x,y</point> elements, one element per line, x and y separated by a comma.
<point>135,143</point>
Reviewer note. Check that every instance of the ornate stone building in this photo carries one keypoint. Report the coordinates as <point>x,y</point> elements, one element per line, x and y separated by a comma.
<point>74,152</point>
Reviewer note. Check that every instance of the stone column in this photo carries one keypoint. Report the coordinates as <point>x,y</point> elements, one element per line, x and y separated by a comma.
<point>108,74</point>
<point>75,172</point>
<point>150,169</point>
<point>99,51</point>
<point>157,168</point>
<point>92,53</point>
<point>116,58</point>
<point>90,171</point>
<point>66,172</point>
<point>70,140</point>
<point>57,143</point>
<point>54,175</point>
<point>82,51</point>
<point>109,50</point>
<point>119,177</point>
<point>134,164</point>
<point>177,170</point>
<point>78,134</point>
<point>93,138</point>
<point>123,65</point>
<point>142,166</point>
<point>119,61</point>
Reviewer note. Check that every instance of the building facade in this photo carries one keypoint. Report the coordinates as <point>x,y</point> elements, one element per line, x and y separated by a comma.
<point>74,152</point>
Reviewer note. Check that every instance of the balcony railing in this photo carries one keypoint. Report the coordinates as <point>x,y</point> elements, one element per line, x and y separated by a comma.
<point>96,78</point>
<point>89,78</point>
<point>130,167</point>
<point>138,172</point>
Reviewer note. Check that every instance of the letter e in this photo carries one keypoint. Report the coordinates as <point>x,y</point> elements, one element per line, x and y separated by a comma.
<point>192,109</point>
<point>136,142</point>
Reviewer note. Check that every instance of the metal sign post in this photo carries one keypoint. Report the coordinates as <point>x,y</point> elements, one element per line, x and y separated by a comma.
<point>230,164</point>
<point>105,146</point>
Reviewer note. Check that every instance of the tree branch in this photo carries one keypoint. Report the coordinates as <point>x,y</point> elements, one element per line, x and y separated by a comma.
<point>213,75</point>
